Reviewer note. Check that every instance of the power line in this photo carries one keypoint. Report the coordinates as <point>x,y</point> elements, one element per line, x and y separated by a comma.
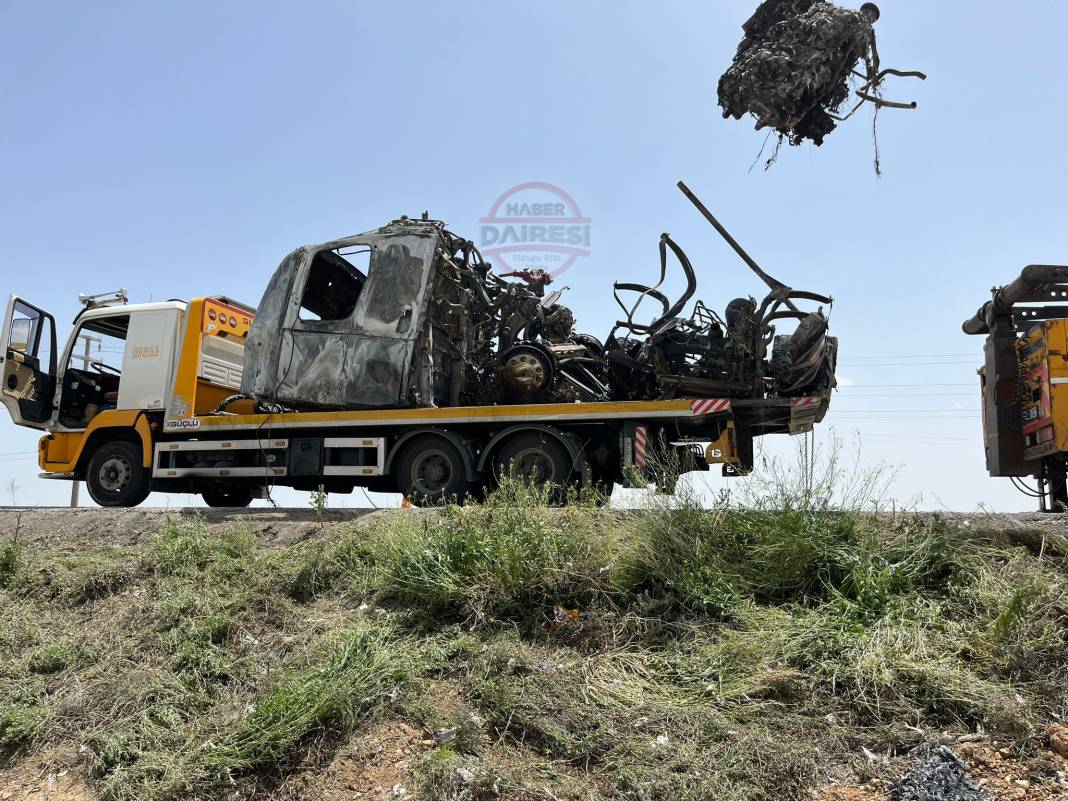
<point>862,424</point>
<point>894,411</point>
<point>914,356</point>
<point>904,421</point>
<point>850,414</point>
<point>966,383</point>
<point>895,438</point>
<point>915,395</point>
<point>905,364</point>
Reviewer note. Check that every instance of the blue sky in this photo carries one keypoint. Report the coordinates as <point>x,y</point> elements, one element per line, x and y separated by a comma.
<point>183,150</point>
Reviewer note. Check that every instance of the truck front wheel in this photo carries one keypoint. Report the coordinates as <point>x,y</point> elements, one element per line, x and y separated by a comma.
<point>115,476</point>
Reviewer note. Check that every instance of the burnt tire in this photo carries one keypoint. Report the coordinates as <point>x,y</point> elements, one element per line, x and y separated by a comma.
<point>116,476</point>
<point>235,497</point>
<point>781,359</point>
<point>537,458</point>
<point>431,470</point>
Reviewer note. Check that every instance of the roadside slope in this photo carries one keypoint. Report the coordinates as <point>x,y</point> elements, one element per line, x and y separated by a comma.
<point>520,652</point>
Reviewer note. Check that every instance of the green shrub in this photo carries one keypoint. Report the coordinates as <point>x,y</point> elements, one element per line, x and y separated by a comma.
<point>52,658</point>
<point>505,556</point>
<point>19,723</point>
<point>711,559</point>
<point>185,548</point>
<point>9,562</point>
<point>319,568</point>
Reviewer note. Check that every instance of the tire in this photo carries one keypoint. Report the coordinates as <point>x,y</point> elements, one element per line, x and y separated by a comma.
<point>116,476</point>
<point>781,360</point>
<point>536,457</point>
<point>234,497</point>
<point>430,471</point>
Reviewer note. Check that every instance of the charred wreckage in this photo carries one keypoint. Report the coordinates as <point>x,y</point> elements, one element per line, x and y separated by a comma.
<point>410,315</point>
<point>803,66</point>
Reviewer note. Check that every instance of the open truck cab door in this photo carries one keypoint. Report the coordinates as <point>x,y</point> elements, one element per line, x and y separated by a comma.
<point>28,360</point>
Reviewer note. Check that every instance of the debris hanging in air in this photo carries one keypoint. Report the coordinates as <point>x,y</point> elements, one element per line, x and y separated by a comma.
<point>797,67</point>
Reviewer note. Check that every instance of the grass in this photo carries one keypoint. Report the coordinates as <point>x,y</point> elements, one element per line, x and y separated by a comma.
<point>745,652</point>
<point>501,558</point>
<point>52,657</point>
<point>19,723</point>
<point>354,679</point>
<point>9,561</point>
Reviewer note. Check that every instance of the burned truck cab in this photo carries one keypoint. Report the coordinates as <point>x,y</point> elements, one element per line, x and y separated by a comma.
<point>344,324</point>
<point>409,315</point>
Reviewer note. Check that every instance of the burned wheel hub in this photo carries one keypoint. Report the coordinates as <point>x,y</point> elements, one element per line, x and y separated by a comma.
<point>534,465</point>
<point>525,371</point>
<point>431,472</point>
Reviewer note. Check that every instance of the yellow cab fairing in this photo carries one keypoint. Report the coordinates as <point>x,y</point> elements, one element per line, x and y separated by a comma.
<point>205,317</point>
<point>59,452</point>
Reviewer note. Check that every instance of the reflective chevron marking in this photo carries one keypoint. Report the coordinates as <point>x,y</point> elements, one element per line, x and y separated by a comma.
<point>640,446</point>
<point>710,405</point>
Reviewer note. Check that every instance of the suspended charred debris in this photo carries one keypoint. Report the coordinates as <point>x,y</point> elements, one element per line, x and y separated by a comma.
<point>797,67</point>
<point>424,322</point>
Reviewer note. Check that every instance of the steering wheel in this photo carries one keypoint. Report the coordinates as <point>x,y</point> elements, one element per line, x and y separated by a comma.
<point>103,368</point>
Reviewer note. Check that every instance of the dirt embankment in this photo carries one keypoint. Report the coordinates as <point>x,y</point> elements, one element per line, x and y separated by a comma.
<point>528,654</point>
<point>62,528</point>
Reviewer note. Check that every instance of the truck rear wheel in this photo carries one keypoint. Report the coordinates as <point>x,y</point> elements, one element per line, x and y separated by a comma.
<point>115,476</point>
<point>431,470</point>
<point>234,497</point>
<point>536,458</point>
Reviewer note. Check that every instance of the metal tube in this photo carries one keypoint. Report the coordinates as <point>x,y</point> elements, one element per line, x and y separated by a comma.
<point>691,280</point>
<point>730,240</point>
<point>1031,279</point>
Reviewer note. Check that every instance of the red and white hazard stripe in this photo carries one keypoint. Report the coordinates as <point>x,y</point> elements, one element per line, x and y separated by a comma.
<point>641,438</point>
<point>709,406</point>
<point>805,401</point>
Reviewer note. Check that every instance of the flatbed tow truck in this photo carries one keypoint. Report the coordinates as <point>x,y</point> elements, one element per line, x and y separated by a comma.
<point>345,378</point>
<point>178,365</point>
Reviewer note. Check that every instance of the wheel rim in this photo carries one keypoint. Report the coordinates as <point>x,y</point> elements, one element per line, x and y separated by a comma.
<point>526,371</point>
<point>114,474</point>
<point>432,472</point>
<point>534,464</point>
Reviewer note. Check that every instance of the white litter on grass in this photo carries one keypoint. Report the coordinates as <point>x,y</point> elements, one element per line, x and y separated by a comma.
<point>873,757</point>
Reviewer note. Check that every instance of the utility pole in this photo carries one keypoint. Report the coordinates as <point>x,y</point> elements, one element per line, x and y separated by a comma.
<point>88,340</point>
